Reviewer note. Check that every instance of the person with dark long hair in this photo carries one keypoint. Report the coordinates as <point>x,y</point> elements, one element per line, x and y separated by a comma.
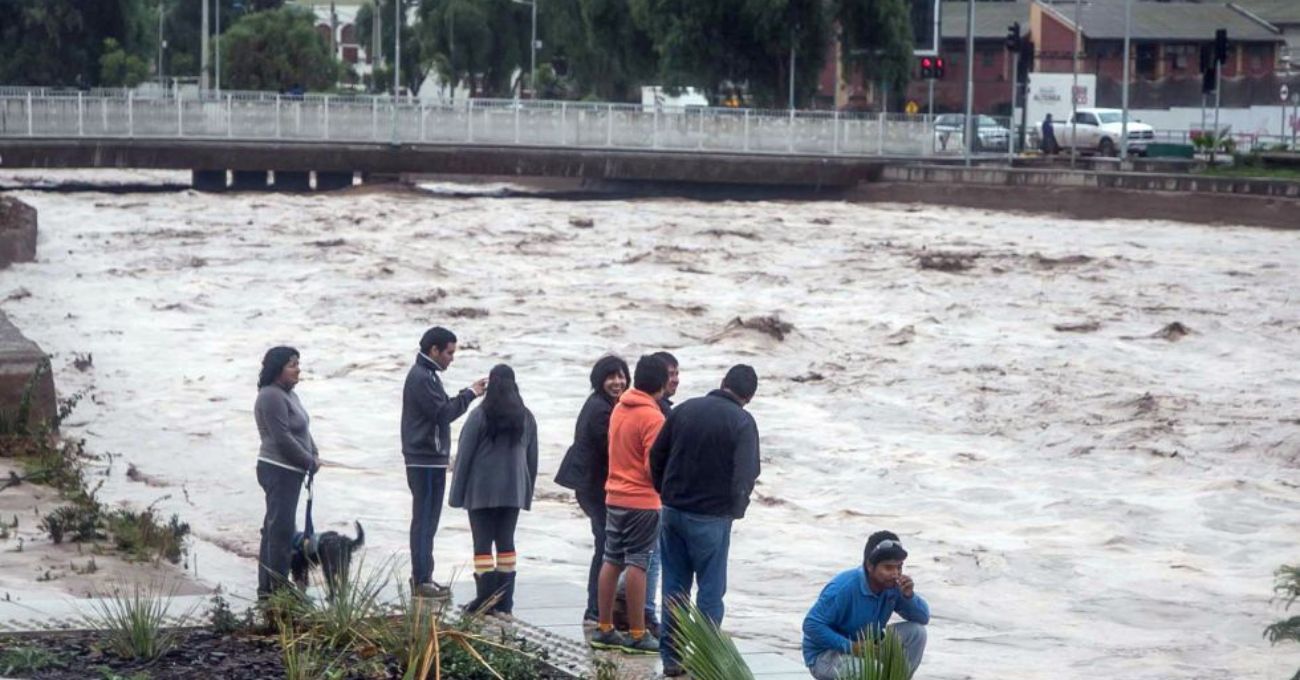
<point>287,455</point>
<point>585,467</point>
<point>493,478</point>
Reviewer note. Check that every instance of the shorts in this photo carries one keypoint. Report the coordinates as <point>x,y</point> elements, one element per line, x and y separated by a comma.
<point>630,536</point>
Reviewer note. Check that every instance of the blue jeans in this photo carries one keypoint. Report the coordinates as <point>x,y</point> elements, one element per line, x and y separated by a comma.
<point>428,488</point>
<point>693,550</point>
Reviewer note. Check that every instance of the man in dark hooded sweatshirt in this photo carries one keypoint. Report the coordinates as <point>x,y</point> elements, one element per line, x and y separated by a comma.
<point>427,414</point>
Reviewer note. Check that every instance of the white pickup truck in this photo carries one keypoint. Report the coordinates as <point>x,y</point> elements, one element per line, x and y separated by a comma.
<point>1099,130</point>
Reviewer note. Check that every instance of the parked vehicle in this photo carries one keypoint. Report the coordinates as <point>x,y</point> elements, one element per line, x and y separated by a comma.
<point>1099,131</point>
<point>950,133</point>
<point>655,97</point>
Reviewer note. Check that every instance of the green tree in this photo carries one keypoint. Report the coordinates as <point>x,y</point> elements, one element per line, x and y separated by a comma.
<point>60,42</point>
<point>876,38</point>
<point>738,42</point>
<point>277,50</point>
<point>414,67</point>
<point>182,28</point>
<point>119,69</point>
<point>607,53</point>
<point>479,42</point>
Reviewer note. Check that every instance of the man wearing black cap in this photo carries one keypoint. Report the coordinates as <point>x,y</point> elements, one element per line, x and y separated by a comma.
<point>855,607</point>
<point>427,414</point>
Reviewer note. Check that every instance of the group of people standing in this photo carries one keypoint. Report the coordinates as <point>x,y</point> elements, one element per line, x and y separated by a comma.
<point>660,484</point>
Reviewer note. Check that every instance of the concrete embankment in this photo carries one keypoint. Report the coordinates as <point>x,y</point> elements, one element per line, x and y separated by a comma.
<point>20,357</point>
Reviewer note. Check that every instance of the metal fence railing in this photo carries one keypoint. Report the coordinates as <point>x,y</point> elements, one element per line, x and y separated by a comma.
<point>253,116</point>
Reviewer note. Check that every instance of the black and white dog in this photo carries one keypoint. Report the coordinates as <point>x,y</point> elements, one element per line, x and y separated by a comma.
<point>331,551</point>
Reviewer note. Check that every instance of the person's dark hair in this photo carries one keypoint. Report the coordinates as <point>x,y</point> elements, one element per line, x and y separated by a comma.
<point>891,551</point>
<point>742,381</point>
<point>651,374</point>
<point>273,364</point>
<point>436,337</point>
<point>669,360</point>
<point>503,408</point>
<point>605,366</point>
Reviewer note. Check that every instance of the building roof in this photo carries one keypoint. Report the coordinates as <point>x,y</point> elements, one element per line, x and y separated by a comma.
<point>991,18</point>
<point>1276,12</point>
<point>1189,21</point>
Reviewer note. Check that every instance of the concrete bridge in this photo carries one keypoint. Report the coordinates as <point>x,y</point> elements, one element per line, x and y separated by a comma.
<point>247,135</point>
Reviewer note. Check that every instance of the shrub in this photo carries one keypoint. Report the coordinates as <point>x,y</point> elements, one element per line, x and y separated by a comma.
<point>134,621</point>
<point>79,521</point>
<point>140,536</point>
<point>1287,590</point>
<point>22,660</point>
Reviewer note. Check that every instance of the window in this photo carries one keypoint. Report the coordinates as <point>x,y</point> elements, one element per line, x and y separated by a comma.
<point>1146,61</point>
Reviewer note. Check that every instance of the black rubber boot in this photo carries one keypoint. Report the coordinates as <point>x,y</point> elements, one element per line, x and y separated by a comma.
<point>506,586</point>
<point>484,585</point>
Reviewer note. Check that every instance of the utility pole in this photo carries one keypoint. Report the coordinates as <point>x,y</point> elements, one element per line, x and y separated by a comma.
<point>203,49</point>
<point>1074,89</point>
<point>397,47</point>
<point>1128,37</point>
<point>792,39</point>
<point>218,47</point>
<point>970,80</point>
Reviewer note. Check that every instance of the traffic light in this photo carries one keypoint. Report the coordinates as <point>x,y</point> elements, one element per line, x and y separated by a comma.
<point>1207,81</point>
<point>1026,60</point>
<point>1221,46</point>
<point>938,68</point>
<point>1013,37</point>
<point>927,68</point>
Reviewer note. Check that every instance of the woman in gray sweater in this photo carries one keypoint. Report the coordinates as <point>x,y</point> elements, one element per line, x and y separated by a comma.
<point>288,454</point>
<point>493,478</point>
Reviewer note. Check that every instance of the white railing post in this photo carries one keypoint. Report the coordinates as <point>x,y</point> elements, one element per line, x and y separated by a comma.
<point>327,117</point>
<point>609,125</point>
<point>30,128</point>
<point>700,142</point>
<point>835,132</point>
<point>130,114</point>
<point>103,114</point>
<point>374,118</point>
<point>789,137</point>
<point>563,121</point>
<point>746,129</point>
<point>180,116</point>
<point>880,134</point>
<point>654,132</point>
<point>297,119</point>
<point>469,121</point>
<point>81,118</point>
<point>277,116</point>
<point>230,116</point>
<point>516,107</point>
<point>423,115</point>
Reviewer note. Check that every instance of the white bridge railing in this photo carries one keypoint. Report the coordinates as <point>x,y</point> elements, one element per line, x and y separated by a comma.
<point>249,116</point>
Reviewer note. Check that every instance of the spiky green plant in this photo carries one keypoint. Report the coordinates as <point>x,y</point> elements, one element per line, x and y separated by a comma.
<point>706,652</point>
<point>306,657</point>
<point>877,657</point>
<point>1287,591</point>
<point>134,620</point>
<point>350,616</point>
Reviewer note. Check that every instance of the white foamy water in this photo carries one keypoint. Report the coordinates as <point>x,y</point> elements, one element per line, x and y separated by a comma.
<point>1100,503</point>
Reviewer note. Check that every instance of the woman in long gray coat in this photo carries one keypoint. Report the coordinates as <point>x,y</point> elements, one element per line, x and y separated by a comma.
<point>493,478</point>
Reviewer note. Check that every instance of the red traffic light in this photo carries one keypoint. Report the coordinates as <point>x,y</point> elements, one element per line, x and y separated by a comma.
<point>927,67</point>
<point>938,67</point>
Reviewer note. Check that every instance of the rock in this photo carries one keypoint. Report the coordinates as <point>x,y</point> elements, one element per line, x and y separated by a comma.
<point>19,361</point>
<point>1173,332</point>
<point>17,231</point>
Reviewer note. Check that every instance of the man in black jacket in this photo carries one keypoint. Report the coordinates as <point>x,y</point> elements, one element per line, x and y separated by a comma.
<point>704,464</point>
<point>427,413</point>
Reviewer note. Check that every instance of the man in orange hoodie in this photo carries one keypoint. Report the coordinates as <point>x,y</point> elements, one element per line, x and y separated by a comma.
<point>632,508</point>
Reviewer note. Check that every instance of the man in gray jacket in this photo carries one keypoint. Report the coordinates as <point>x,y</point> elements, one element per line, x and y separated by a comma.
<point>427,413</point>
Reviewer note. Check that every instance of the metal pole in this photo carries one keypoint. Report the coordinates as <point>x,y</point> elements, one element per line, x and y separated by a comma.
<point>792,38</point>
<point>1218,89</point>
<point>203,49</point>
<point>30,129</point>
<point>162,82</point>
<point>81,120</point>
<point>1128,36</point>
<point>397,50</point>
<point>532,78</point>
<point>1074,101</point>
<point>130,113</point>
<point>217,37</point>
<point>970,79</point>
<point>1011,125</point>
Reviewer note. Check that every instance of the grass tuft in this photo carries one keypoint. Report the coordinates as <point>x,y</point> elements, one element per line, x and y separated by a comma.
<point>134,620</point>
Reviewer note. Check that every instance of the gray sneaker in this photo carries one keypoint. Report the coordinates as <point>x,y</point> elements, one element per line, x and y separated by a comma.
<point>611,640</point>
<point>646,644</point>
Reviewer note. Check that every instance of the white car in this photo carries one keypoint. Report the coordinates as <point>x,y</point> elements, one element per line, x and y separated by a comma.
<point>1099,131</point>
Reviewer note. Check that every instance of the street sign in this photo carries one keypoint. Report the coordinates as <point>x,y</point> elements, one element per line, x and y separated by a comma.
<point>1081,95</point>
<point>1285,92</point>
<point>912,108</point>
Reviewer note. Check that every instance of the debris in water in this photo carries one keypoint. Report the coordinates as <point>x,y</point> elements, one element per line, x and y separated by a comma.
<point>768,325</point>
<point>1080,327</point>
<point>19,294</point>
<point>1068,260</point>
<point>467,313</point>
<point>821,220</point>
<point>721,233</point>
<point>947,262</point>
<point>434,296</point>
<point>83,362</point>
<point>1173,332</point>
<point>582,222</point>
<point>330,243</point>
<point>902,336</point>
<point>810,376</point>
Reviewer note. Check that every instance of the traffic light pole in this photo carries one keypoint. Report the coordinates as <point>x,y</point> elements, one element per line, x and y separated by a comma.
<point>970,128</point>
<point>1015,84</point>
